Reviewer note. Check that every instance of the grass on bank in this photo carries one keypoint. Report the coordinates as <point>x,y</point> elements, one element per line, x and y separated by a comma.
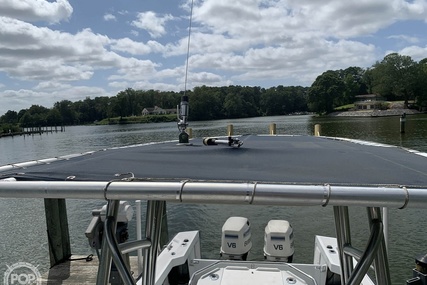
<point>344,107</point>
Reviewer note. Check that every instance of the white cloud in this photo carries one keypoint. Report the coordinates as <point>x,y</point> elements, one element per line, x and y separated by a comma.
<point>109,17</point>
<point>405,38</point>
<point>417,53</point>
<point>36,10</point>
<point>152,23</point>
<point>132,69</point>
<point>136,48</point>
<point>33,53</point>
<point>160,86</point>
<point>51,85</point>
<point>24,98</point>
<point>254,42</point>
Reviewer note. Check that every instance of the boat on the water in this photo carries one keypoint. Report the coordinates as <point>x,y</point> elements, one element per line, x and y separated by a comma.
<point>251,170</point>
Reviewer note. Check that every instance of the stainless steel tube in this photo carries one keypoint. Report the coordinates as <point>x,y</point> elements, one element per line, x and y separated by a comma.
<point>368,256</point>
<point>221,192</point>
<point>110,231</point>
<point>342,226</point>
<point>106,257</point>
<point>382,271</point>
<point>149,229</point>
<point>134,245</point>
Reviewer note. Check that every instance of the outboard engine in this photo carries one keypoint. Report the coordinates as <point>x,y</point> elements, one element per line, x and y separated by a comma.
<point>279,241</point>
<point>236,238</point>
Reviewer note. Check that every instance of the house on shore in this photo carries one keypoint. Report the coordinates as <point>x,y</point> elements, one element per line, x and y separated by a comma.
<point>369,102</point>
<point>157,111</point>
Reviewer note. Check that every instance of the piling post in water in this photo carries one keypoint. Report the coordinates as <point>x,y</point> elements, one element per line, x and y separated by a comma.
<point>57,230</point>
<point>317,130</point>
<point>272,129</point>
<point>402,123</point>
<point>230,130</point>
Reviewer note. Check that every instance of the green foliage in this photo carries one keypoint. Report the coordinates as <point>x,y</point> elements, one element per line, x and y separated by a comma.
<point>9,128</point>
<point>326,92</point>
<point>138,119</point>
<point>421,86</point>
<point>396,76</point>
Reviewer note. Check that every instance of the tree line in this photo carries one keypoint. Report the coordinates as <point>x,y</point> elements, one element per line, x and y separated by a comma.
<point>206,103</point>
<point>396,77</point>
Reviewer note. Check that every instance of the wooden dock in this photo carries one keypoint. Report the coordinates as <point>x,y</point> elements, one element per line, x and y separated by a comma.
<point>78,271</point>
<point>34,131</point>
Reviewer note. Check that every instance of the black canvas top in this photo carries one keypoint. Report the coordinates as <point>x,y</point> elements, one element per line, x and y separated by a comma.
<point>289,159</point>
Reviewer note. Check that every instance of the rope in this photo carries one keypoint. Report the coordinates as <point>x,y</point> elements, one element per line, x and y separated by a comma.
<point>87,258</point>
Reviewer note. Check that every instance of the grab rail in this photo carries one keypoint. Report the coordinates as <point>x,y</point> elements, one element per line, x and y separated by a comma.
<point>213,192</point>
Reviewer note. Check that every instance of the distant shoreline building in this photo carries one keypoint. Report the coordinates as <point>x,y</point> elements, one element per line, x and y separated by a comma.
<point>369,102</point>
<point>157,111</point>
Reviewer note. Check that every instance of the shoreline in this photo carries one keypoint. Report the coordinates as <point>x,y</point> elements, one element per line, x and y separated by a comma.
<point>376,113</point>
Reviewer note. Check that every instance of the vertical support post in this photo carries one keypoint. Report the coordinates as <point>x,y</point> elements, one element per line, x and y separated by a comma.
<point>57,230</point>
<point>382,272</point>
<point>317,130</point>
<point>230,130</point>
<point>272,129</point>
<point>152,232</point>
<point>342,227</point>
<point>164,231</point>
<point>154,216</point>
<point>385,222</point>
<point>139,233</point>
<point>106,257</point>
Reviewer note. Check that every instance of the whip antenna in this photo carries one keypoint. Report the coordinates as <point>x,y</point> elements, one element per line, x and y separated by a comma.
<point>182,109</point>
<point>188,47</point>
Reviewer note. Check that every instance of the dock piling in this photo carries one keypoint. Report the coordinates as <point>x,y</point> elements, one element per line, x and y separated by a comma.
<point>272,129</point>
<point>57,230</point>
<point>402,123</point>
<point>229,130</point>
<point>317,130</point>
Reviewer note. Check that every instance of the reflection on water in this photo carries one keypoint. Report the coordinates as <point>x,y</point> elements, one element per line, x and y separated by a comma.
<point>23,234</point>
<point>381,129</point>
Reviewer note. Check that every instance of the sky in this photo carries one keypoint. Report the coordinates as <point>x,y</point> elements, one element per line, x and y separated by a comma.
<point>70,50</point>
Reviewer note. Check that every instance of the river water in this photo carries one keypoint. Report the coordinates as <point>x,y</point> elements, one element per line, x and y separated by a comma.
<point>23,231</point>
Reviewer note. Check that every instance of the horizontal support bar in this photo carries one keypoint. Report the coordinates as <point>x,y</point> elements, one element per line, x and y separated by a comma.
<point>134,245</point>
<point>220,192</point>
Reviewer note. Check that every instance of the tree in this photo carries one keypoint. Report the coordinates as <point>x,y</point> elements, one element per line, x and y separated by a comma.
<point>353,78</point>
<point>368,80</point>
<point>26,120</point>
<point>54,118</point>
<point>68,114</point>
<point>421,94</point>
<point>233,106</point>
<point>396,77</point>
<point>205,103</point>
<point>10,117</point>
<point>324,92</point>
